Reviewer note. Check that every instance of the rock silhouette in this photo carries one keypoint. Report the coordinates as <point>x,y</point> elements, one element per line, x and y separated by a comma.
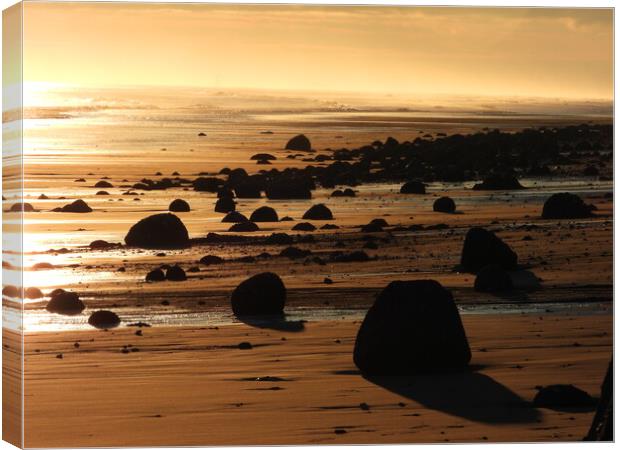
<point>444,205</point>
<point>299,142</point>
<point>78,206</point>
<point>482,248</point>
<point>103,184</point>
<point>562,395</point>
<point>246,227</point>
<point>175,273</point>
<point>498,183</point>
<point>210,260</point>
<point>155,275</point>
<point>179,205</point>
<point>318,212</point>
<point>262,294</point>
<point>304,226</point>
<point>104,319</point>
<point>65,302</point>
<point>158,231</point>
<point>566,206</point>
<point>234,217</point>
<point>26,207</point>
<point>225,205</point>
<point>413,187</point>
<point>413,327</point>
<point>264,214</point>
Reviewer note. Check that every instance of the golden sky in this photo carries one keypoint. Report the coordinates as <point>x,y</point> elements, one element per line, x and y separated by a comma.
<point>564,53</point>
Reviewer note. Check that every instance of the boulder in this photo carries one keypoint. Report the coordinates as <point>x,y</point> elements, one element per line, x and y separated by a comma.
<point>104,320</point>
<point>288,190</point>
<point>10,291</point>
<point>263,157</point>
<point>210,260</point>
<point>262,294</point>
<point>299,142</point>
<point>175,273</point>
<point>244,227</point>
<point>413,187</point>
<point>493,278</point>
<point>103,184</point>
<point>602,428</point>
<point>295,253</point>
<point>65,302</point>
<point>102,193</point>
<point>264,214</point>
<point>279,239</point>
<point>444,205</point>
<point>100,244</point>
<point>561,396</point>
<point>179,205</point>
<point>482,248</point>
<point>304,226</point>
<point>207,184</point>
<point>225,205</point>
<point>318,212</point>
<point>371,228</point>
<point>234,217</point>
<point>78,206</point>
<point>155,275</point>
<point>498,183</point>
<point>158,231</point>
<point>33,293</point>
<point>566,206</point>
<point>413,327</point>
<point>26,207</point>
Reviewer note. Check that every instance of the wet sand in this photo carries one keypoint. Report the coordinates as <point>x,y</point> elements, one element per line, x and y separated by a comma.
<point>193,385</point>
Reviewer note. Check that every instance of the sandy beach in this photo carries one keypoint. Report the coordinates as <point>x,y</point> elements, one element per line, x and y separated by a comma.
<point>179,386</point>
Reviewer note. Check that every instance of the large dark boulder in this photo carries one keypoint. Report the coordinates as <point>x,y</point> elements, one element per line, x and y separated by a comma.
<point>26,207</point>
<point>244,227</point>
<point>65,302</point>
<point>179,205</point>
<point>413,327</point>
<point>155,275</point>
<point>225,205</point>
<point>207,184</point>
<point>104,320</point>
<point>262,294</point>
<point>175,273</point>
<point>602,428</point>
<point>264,214</point>
<point>562,396</point>
<point>78,206</point>
<point>33,293</point>
<point>498,183</point>
<point>263,157</point>
<point>444,205</point>
<point>482,248</point>
<point>318,212</point>
<point>288,190</point>
<point>103,184</point>
<point>413,187</point>
<point>304,226</point>
<point>158,231</point>
<point>211,259</point>
<point>234,217</point>
<point>279,239</point>
<point>493,278</point>
<point>299,142</point>
<point>566,206</point>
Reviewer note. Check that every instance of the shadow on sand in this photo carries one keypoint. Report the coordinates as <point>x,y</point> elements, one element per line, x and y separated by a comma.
<point>277,322</point>
<point>468,394</point>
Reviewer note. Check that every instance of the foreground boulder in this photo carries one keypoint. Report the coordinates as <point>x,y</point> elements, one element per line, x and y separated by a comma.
<point>225,205</point>
<point>318,212</point>
<point>498,183</point>
<point>566,206</point>
<point>413,327</point>
<point>602,428</point>
<point>262,294</point>
<point>33,293</point>
<point>482,248</point>
<point>413,187</point>
<point>158,231</point>
<point>299,142</point>
<point>234,217</point>
<point>26,207</point>
<point>176,273</point>
<point>561,396</point>
<point>444,205</point>
<point>179,205</point>
<point>155,275</point>
<point>78,206</point>
<point>493,278</point>
<point>211,259</point>
<point>104,320</point>
<point>244,227</point>
<point>65,302</point>
<point>264,214</point>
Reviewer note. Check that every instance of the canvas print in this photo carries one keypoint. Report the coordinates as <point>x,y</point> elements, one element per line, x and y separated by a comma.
<point>230,224</point>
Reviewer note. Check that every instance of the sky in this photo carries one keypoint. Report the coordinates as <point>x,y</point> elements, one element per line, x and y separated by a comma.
<point>536,52</point>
